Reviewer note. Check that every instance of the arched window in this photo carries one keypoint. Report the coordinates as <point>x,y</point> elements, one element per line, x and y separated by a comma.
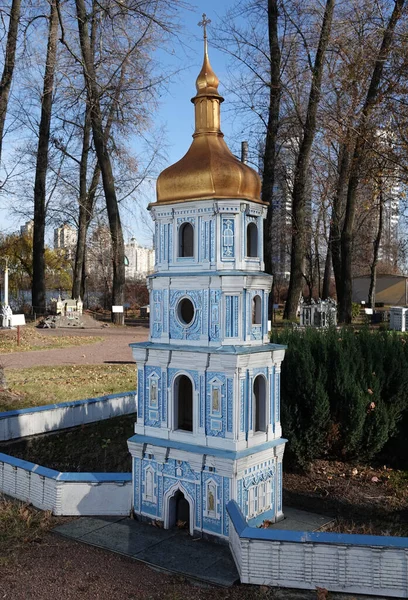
<point>183,403</point>
<point>256,311</point>
<point>186,240</point>
<point>259,401</point>
<point>252,240</point>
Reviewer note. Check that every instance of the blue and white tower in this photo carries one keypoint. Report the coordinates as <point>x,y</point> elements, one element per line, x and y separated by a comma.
<point>208,420</point>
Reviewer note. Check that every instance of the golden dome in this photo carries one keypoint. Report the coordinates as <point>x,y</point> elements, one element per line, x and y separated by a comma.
<point>209,169</point>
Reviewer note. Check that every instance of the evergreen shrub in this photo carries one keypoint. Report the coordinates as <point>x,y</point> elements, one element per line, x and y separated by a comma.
<point>344,394</point>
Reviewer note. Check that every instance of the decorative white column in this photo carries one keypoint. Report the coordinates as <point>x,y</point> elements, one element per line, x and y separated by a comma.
<point>278,480</point>
<point>6,283</point>
<point>6,311</point>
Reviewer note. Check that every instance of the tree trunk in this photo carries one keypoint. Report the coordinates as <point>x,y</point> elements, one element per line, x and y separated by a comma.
<point>83,208</point>
<point>38,288</point>
<point>301,171</point>
<point>377,243</point>
<point>337,216</point>
<point>317,266</point>
<point>9,61</point>
<point>87,199</point>
<point>269,159</point>
<point>118,250</point>
<point>327,274</point>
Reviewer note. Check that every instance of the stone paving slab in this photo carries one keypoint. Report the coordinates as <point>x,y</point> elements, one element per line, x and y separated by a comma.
<point>124,538</point>
<point>169,550</point>
<point>80,527</point>
<point>301,520</point>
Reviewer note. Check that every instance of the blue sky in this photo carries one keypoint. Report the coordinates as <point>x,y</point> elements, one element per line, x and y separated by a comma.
<point>177,111</point>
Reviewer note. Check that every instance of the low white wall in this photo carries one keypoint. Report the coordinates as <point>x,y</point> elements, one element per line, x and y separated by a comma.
<point>356,564</point>
<point>66,493</point>
<point>42,419</point>
<point>94,494</point>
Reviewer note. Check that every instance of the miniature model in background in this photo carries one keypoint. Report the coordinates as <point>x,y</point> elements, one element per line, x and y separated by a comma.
<point>322,313</point>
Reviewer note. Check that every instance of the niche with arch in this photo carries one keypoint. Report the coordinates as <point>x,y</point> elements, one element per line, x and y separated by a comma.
<point>252,240</point>
<point>183,403</point>
<point>211,500</point>
<point>259,403</point>
<point>186,240</point>
<point>256,310</point>
<point>149,493</point>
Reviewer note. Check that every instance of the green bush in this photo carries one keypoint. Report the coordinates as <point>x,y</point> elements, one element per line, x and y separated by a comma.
<point>306,409</point>
<point>355,310</point>
<point>343,393</point>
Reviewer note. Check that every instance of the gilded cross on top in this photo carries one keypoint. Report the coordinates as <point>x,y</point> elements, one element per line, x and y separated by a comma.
<point>204,24</point>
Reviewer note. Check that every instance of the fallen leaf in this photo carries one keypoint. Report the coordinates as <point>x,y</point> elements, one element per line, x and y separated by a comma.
<point>322,593</point>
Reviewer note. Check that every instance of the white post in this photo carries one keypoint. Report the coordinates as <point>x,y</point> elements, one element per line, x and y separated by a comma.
<point>6,285</point>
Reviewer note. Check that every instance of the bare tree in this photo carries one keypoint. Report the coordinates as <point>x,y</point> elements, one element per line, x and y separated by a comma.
<point>9,62</point>
<point>38,288</point>
<point>118,250</point>
<point>299,195</point>
<point>371,100</point>
<point>269,157</point>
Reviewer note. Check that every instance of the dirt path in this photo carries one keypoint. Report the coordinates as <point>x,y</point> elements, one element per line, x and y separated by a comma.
<point>57,568</point>
<point>113,349</point>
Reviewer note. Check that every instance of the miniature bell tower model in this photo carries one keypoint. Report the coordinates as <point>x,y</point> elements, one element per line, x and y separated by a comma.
<point>208,423</point>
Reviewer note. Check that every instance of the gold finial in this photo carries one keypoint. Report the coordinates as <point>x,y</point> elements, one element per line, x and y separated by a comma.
<point>209,169</point>
<point>207,81</point>
<point>204,24</point>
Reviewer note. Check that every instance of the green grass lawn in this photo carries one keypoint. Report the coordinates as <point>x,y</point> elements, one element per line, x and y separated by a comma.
<point>33,339</point>
<point>48,385</point>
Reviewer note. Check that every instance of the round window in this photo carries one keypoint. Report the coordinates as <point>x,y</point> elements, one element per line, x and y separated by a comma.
<point>185,311</point>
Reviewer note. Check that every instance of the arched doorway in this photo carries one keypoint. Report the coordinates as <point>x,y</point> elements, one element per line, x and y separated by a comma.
<point>178,510</point>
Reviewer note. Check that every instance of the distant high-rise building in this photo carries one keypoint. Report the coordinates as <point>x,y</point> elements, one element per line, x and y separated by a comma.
<point>282,206</point>
<point>388,253</point>
<point>99,254</point>
<point>140,260</point>
<point>383,189</point>
<point>388,188</point>
<point>27,228</point>
<point>65,238</point>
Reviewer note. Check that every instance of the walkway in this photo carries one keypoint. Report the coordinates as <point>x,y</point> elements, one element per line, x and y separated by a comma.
<point>113,348</point>
<point>168,549</point>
